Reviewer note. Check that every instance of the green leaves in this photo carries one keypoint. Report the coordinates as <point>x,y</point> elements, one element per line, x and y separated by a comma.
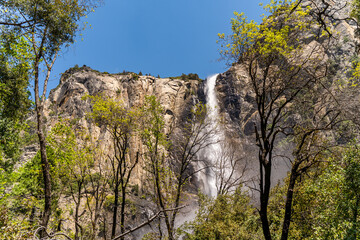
<point>72,151</point>
<point>327,200</point>
<point>113,114</point>
<point>244,35</point>
<point>153,123</point>
<point>273,36</point>
<point>228,216</point>
<point>14,95</point>
<point>56,19</point>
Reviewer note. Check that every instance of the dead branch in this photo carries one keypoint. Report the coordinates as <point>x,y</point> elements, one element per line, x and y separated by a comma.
<point>158,214</point>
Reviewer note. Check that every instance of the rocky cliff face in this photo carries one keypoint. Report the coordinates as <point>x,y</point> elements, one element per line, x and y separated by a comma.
<point>66,101</point>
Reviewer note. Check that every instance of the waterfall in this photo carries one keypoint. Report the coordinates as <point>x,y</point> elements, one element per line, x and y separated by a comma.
<point>209,155</point>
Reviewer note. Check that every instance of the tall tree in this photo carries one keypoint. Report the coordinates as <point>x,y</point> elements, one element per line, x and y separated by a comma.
<point>122,123</point>
<point>48,26</point>
<point>317,115</point>
<point>191,135</point>
<point>155,141</point>
<point>279,70</point>
<point>73,158</point>
<point>171,158</point>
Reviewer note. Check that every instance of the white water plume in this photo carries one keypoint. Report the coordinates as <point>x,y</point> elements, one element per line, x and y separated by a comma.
<point>211,153</point>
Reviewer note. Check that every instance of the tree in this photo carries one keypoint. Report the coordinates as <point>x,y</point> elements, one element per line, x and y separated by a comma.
<point>155,141</point>
<point>172,169</point>
<point>230,169</point>
<point>191,136</point>
<point>229,216</point>
<point>122,123</point>
<point>14,96</point>
<point>74,158</point>
<point>324,203</point>
<point>279,70</point>
<point>48,26</point>
<point>352,190</point>
<point>316,115</point>
<point>96,189</point>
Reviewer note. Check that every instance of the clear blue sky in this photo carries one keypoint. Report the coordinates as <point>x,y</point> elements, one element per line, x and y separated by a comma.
<point>161,37</point>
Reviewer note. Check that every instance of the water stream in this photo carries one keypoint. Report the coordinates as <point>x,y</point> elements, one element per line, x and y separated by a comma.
<point>209,155</point>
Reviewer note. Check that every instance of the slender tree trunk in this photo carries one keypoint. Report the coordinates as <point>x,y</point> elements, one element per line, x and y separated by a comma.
<point>166,216</point>
<point>77,212</point>
<point>177,200</point>
<point>160,230</point>
<point>94,223</point>
<point>156,166</point>
<point>264,194</point>
<point>122,213</point>
<point>116,204</point>
<point>104,218</point>
<point>44,160</point>
<point>76,221</point>
<point>32,215</point>
<point>288,203</point>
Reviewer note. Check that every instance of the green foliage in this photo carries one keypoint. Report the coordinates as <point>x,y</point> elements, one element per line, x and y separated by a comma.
<point>273,35</point>
<point>135,76</point>
<point>355,71</point>
<point>24,194</point>
<point>12,228</point>
<point>226,217</point>
<point>58,20</point>
<point>151,236</point>
<point>326,203</point>
<point>113,114</point>
<point>73,155</point>
<point>153,131</point>
<point>186,77</point>
<point>14,96</point>
<point>155,140</point>
<point>28,190</point>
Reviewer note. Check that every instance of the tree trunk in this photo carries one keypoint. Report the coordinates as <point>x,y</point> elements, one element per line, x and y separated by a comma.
<point>104,218</point>
<point>116,204</point>
<point>44,160</point>
<point>177,200</point>
<point>288,203</point>
<point>122,213</point>
<point>76,221</point>
<point>160,199</point>
<point>77,226</point>
<point>264,196</point>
